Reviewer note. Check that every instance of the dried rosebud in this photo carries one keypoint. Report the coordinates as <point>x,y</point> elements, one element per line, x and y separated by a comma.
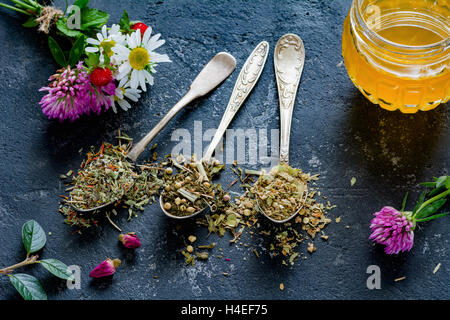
<point>105,269</point>
<point>130,240</point>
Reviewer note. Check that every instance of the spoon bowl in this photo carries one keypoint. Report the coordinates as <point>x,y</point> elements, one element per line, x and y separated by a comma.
<point>161,204</point>
<point>290,217</point>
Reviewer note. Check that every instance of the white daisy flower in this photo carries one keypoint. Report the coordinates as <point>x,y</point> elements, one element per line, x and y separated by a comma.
<point>106,40</point>
<point>137,58</point>
<point>124,91</point>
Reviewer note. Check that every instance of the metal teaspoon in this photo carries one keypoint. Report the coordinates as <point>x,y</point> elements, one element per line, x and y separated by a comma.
<point>250,73</point>
<point>289,59</point>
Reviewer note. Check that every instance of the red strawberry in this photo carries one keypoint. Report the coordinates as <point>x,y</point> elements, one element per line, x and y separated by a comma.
<point>140,26</point>
<point>101,76</point>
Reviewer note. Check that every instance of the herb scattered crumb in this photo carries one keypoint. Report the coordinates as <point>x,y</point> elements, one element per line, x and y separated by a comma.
<point>437,268</point>
<point>352,181</point>
<point>202,255</point>
<point>311,247</point>
<point>209,246</point>
<point>189,259</point>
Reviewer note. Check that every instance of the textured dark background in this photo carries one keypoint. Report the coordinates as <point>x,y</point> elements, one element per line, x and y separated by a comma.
<point>336,132</point>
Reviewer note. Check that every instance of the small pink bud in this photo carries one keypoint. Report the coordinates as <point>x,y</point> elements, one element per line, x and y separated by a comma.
<point>130,240</point>
<point>105,269</point>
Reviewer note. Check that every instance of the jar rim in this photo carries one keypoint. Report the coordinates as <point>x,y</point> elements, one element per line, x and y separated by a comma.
<point>443,44</point>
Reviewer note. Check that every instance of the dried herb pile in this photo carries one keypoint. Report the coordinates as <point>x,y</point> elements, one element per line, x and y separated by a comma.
<point>282,192</point>
<point>242,215</point>
<point>104,176</point>
<point>187,191</point>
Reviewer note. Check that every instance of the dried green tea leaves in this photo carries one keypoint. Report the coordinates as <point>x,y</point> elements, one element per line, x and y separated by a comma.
<point>104,177</point>
<point>146,186</point>
<point>282,192</point>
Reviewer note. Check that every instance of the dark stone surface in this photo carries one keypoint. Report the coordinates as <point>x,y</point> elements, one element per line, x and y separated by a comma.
<point>336,132</point>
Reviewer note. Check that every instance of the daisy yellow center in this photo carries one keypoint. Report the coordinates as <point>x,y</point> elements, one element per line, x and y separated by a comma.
<point>107,45</point>
<point>139,58</point>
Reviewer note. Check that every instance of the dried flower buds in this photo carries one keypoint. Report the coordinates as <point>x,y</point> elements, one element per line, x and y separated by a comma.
<point>130,240</point>
<point>105,269</point>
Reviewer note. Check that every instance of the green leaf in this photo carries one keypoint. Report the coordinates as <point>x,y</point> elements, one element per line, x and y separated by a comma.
<point>419,202</point>
<point>33,236</point>
<point>125,22</point>
<point>404,202</point>
<point>61,25</point>
<point>231,221</point>
<point>77,51</point>
<point>81,3</point>
<point>92,60</point>
<point>93,18</point>
<point>57,268</point>
<point>441,181</point>
<point>435,192</point>
<point>433,217</point>
<point>57,52</point>
<point>430,209</point>
<point>30,23</point>
<point>428,184</point>
<point>28,286</point>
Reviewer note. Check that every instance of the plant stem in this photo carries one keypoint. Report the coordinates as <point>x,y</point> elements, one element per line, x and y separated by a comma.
<point>7,6</point>
<point>33,3</point>
<point>27,261</point>
<point>24,5</point>
<point>439,196</point>
<point>112,223</point>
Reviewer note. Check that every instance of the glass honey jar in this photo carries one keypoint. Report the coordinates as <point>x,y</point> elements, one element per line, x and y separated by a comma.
<point>397,52</point>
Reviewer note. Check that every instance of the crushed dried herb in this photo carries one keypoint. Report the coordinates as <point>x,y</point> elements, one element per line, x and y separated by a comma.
<point>282,192</point>
<point>104,176</point>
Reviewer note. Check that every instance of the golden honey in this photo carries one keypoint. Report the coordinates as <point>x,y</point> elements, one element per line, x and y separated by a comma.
<point>397,52</point>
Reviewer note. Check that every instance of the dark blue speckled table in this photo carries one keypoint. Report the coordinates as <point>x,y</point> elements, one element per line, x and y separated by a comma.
<point>336,132</point>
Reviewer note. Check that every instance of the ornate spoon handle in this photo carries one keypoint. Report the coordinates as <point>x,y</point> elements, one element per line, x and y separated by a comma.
<point>247,79</point>
<point>289,59</point>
